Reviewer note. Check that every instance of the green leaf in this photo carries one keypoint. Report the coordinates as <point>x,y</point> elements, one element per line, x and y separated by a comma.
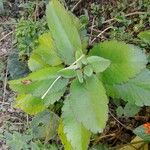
<point>63,31</point>
<point>80,76</point>
<point>78,136</point>
<point>89,103</point>
<point>44,125</point>
<point>37,83</point>
<point>141,132</point>
<point>81,30</point>
<point>44,54</point>
<point>67,73</point>
<point>130,110</point>
<point>35,62</point>
<point>88,70</point>
<point>135,91</point>
<point>126,61</point>
<point>62,136</point>
<point>29,104</point>
<point>98,64</point>
<point>145,36</point>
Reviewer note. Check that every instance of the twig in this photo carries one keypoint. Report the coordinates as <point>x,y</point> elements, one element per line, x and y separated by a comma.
<point>119,121</point>
<point>101,33</point>
<point>6,36</point>
<point>5,84</point>
<point>102,137</point>
<point>90,42</point>
<point>27,120</point>
<point>127,15</point>
<point>76,5</point>
<point>4,103</point>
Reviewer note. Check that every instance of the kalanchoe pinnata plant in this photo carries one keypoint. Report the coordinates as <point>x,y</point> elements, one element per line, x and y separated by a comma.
<point>61,67</point>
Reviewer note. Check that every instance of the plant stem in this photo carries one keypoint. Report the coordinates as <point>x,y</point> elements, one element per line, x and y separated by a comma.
<point>50,87</point>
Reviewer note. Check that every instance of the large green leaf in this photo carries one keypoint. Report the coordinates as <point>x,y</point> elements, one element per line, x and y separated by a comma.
<point>89,103</point>
<point>29,104</point>
<point>126,60</point>
<point>63,31</point>
<point>78,136</point>
<point>37,83</point>
<point>135,91</point>
<point>44,54</point>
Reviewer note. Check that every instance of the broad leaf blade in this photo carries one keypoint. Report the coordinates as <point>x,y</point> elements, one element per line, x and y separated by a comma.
<point>29,104</point>
<point>89,103</point>
<point>126,60</point>
<point>35,62</point>
<point>44,54</point>
<point>38,82</point>
<point>78,136</point>
<point>63,31</point>
<point>135,91</point>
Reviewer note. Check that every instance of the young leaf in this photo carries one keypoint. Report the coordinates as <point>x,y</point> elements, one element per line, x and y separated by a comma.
<point>44,54</point>
<point>88,102</point>
<point>29,104</point>
<point>63,31</point>
<point>126,60</point>
<point>67,73</point>
<point>78,136</point>
<point>145,36</point>
<point>88,70</point>
<point>135,91</point>
<point>98,64</point>
<point>130,110</point>
<point>80,76</point>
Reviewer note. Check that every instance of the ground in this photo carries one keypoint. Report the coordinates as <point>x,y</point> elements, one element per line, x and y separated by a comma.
<point>107,19</point>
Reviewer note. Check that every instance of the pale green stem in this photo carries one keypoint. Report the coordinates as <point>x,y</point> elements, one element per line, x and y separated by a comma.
<point>50,87</point>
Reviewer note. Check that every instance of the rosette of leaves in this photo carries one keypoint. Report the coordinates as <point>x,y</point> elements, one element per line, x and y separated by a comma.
<point>60,63</point>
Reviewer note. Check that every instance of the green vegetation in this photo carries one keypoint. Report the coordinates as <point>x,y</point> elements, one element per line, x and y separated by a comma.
<point>76,77</point>
<point>111,67</point>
